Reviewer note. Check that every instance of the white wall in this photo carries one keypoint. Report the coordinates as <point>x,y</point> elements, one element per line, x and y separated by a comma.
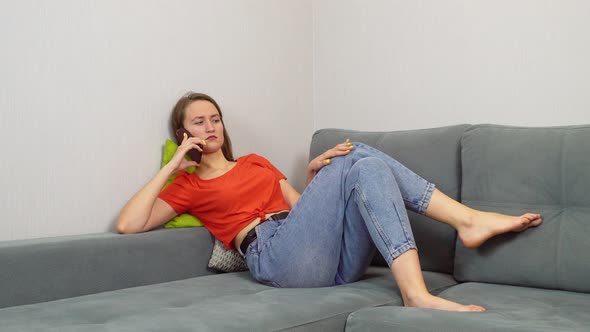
<point>387,65</point>
<point>87,88</point>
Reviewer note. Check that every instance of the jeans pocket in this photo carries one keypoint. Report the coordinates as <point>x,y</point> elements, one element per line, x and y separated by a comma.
<point>254,265</point>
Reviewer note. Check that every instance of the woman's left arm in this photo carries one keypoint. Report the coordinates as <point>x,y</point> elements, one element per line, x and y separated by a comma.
<point>326,158</point>
<point>289,193</point>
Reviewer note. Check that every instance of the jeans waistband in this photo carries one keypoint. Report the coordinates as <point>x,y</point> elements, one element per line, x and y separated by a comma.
<point>251,235</point>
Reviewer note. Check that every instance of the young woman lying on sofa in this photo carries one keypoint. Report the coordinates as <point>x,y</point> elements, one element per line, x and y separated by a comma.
<point>355,201</point>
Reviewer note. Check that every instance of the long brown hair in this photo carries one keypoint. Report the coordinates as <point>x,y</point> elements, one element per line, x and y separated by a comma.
<point>179,113</point>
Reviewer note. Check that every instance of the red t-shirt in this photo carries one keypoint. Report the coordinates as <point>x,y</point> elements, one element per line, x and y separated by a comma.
<point>228,203</point>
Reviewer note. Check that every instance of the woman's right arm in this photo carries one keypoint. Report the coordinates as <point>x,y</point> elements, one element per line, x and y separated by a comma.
<point>145,211</point>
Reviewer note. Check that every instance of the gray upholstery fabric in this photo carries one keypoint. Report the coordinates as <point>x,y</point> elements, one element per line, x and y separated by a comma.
<point>509,308</point>
<point>516,170</point>
<point>224,302</point>
<point>431,153</point>
<point>53,268</point>
<point>134,281</point>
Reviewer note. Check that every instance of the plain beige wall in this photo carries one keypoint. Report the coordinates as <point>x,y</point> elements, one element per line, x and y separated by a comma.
<point>390,64</point>
<point>87,88</point>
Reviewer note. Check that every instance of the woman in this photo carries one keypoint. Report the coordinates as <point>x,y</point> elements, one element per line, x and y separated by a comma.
<point>354,203</point>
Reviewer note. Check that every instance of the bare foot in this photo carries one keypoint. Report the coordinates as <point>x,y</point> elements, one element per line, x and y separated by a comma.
<point>435,302</point>
<point>488,224</point>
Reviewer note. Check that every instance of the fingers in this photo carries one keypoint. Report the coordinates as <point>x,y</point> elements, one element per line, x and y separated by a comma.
<point>325,158</point>
<point>346,146</point>
<point>341,149</point>
<point>194,142</point>
<point>195,145</point>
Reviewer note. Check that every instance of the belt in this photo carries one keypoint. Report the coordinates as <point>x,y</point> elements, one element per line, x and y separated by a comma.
<point>251,235</point>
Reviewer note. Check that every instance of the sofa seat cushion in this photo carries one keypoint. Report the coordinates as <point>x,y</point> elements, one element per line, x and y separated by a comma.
<point>509,308</point>
<point>224,302</point>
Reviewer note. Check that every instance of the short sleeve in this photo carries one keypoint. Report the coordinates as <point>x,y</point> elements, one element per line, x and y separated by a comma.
<point>263,161</point>
<point>178,193</point>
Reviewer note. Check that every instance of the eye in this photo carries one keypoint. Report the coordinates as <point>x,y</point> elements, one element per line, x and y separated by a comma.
<point>217,120</point>
<point>199,123</point>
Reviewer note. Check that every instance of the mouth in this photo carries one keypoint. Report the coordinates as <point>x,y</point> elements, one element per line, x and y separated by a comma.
<point>212,137</point>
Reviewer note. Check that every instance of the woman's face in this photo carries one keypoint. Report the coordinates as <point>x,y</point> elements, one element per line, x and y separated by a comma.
<point>202,120</point>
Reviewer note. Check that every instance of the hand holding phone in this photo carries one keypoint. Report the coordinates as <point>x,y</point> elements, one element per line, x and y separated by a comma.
<point>193,153</point>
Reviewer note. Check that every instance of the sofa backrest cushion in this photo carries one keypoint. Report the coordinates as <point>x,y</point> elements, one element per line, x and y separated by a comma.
<point>515,170</point>
<point>48,269</point>
<point>431,153</point>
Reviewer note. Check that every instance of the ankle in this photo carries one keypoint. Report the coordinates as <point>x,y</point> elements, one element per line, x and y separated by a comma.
<point>415,299</point>
<point>470,218</point>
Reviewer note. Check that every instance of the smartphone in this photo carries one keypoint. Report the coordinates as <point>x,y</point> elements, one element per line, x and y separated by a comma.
<point>193,153</point>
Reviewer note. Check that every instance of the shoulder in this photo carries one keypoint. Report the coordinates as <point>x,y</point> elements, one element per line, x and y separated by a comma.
<point>254,159</point>
<point>182,178</point>
<point>183,175</point>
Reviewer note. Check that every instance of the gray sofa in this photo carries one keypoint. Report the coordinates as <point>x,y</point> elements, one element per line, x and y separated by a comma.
<point>158,281</point>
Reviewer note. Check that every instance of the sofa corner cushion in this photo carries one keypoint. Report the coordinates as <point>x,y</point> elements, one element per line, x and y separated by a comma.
<point>514,170</point>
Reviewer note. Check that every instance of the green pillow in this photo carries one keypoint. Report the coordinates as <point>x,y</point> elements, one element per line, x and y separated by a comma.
<point>183,220</point>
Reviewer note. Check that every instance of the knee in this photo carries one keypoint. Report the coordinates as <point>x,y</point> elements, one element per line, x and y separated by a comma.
<point>362,151</point>
<point>374,170</point>
<point>372,165</point>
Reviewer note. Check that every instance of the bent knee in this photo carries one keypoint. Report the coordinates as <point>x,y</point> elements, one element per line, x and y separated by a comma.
<point>371,164</point>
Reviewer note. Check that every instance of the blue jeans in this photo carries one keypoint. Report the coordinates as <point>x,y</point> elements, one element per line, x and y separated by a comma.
<point>352,206</point>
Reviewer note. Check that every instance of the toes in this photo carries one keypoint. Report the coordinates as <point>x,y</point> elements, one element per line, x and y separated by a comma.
<point>476,308</point>
<point>524,221</point>
<point>534,219</point>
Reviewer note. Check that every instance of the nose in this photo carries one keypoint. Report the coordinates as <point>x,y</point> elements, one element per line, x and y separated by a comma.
<point>209,127</point>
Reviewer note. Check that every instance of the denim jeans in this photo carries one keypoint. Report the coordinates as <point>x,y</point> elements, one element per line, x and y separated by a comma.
<point>353,206</point>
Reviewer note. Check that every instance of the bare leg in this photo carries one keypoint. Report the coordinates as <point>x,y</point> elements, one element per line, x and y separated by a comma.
<point>408,275</point>
<point>474,227</point>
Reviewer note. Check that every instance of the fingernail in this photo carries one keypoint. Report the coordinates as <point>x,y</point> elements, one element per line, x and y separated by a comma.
<point>327,161</point>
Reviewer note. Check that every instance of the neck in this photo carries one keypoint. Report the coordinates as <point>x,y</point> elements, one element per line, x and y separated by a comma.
<point>215,160</point>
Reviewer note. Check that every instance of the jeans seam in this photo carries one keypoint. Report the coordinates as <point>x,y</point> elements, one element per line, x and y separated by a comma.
<point>419,207</point>
<point>408,238</point>
<point>393,253</point>
<point>377,226</point>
